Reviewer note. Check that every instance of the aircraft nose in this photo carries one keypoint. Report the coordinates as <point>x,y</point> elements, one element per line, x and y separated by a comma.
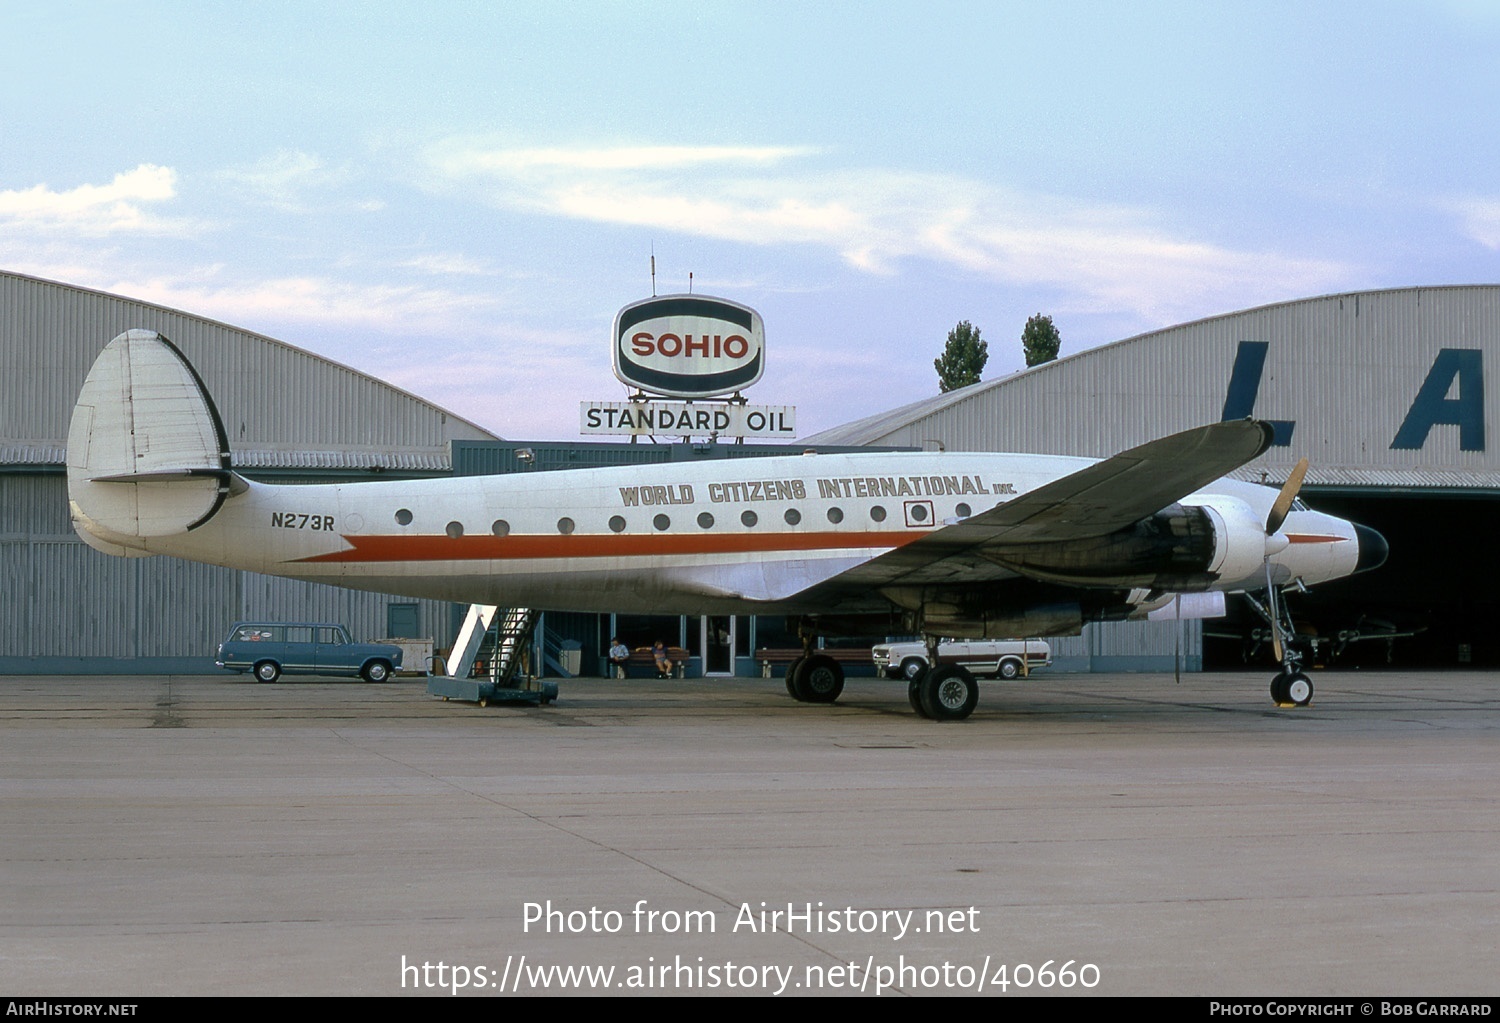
<point>1372,548</point>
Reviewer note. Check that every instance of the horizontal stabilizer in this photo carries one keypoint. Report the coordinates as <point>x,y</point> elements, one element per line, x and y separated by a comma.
<point>147,453</point>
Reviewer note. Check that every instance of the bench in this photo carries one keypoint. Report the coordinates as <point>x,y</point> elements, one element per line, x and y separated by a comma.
<point>642,663</point>
<point>782,657</point>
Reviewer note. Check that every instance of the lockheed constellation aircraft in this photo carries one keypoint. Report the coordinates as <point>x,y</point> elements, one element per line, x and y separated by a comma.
<point>940,544</point>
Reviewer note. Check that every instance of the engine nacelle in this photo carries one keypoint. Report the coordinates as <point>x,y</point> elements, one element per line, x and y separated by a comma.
<point>1239,541</point>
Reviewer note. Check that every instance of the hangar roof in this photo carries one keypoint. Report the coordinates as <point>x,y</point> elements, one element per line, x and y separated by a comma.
<point>1380,389</point>
<point>284,408</point>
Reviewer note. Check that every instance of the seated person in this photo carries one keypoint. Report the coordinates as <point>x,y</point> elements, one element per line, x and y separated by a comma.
<point>619,656</point>
<point>663,662</point>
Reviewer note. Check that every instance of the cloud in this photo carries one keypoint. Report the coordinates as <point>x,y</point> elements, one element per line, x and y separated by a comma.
<point>93,210</point>
<point>272,304</point>
<point>294,182</point>
<point>448,264</point>
<point>1480,219</point>
<point>460,157</point>
<point>1103,257</point>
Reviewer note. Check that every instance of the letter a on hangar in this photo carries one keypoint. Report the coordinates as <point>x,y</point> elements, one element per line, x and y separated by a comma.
<point>688,346</point>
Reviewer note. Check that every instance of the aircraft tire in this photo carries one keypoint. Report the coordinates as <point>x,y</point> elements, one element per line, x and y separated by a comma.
<point>914,696</point>
<point>1278,689</point>
<point>819,679</point>
<point>267,671</point>
<point>949,693</point>
<point>791,678</point>
<point>1290,689</point>
<point>1299,689</point>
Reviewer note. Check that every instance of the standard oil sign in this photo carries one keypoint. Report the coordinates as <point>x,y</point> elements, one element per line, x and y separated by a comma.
<point>689,346</point>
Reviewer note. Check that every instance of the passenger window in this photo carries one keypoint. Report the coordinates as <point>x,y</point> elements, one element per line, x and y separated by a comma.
<point>705,520</point>
<point>749,518</point>
<point>403,517</point>
<point>662,522</point>
<point>877,513</point>
<point>616,524</point>
<point>792,516</point>
<point>500,528</point>
<point>565,525</point>
<point>835,515</point>
<point>455,529</point>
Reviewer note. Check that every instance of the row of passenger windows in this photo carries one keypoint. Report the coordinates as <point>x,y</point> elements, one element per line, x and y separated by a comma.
<point>662,522</point>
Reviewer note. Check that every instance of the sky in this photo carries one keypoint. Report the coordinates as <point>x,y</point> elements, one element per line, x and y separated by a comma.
<point>458,197</point>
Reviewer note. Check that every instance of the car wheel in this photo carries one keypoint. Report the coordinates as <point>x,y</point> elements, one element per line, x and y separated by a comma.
<point>376,671</point>
<point>912,668</point>
<point>1009,669</point>
<point>267,671</point>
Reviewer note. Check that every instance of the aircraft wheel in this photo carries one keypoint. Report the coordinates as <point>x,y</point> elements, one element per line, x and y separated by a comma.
<point>1279,689</point>
<point>267,671</point>
<point>912,668</point>
<point>1009,669</point>
<point>914,696</point>
<point>949,693</point>
<point>1299,689</point>
<point>376,671</point>
<point>819,679</point>
<point>791,678</point>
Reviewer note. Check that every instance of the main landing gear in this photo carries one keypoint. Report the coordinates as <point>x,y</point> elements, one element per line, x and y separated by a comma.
<point>942,692</point>
<point>814,678</point>
<point>947,692</point>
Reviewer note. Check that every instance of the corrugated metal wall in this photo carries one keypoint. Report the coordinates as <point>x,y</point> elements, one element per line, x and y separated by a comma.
<point>273,398</point>
<point>1346,369</point>
<point>65,606</point>
<point>68,608</point>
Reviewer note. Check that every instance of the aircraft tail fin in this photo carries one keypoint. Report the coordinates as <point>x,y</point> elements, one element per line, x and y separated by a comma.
<point>147,452</point>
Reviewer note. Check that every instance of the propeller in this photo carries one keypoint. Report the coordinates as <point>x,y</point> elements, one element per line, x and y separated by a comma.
<point>1284,499</point>
<point>1274,521</point>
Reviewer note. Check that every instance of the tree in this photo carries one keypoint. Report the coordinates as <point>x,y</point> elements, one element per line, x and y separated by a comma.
<point>963,358</point>
<point>1040,340</point>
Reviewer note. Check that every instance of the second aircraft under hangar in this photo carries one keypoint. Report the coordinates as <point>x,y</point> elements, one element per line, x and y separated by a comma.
<point>979,545</point>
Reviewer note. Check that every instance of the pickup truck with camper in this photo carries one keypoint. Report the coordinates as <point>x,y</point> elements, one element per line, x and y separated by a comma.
<point>998,658</point>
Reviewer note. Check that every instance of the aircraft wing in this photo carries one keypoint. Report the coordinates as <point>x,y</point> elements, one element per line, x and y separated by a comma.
<point>1091,502</point>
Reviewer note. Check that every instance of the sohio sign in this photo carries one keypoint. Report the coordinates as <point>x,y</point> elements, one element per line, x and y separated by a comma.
<point>689,346</point>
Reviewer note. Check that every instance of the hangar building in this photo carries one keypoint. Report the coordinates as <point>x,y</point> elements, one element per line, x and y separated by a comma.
<point>291,416</point>
<point>1384,391</point>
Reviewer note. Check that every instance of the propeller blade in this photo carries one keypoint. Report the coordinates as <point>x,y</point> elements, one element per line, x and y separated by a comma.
<point>1284,499</point>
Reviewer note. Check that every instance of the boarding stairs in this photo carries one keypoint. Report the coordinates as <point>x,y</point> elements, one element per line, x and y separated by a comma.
<point>509,633</point>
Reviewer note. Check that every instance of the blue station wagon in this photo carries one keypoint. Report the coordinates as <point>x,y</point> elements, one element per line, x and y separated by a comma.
<point>298,648</point>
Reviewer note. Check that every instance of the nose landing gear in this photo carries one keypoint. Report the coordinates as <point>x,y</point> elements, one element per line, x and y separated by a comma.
<point>1291,687</point>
